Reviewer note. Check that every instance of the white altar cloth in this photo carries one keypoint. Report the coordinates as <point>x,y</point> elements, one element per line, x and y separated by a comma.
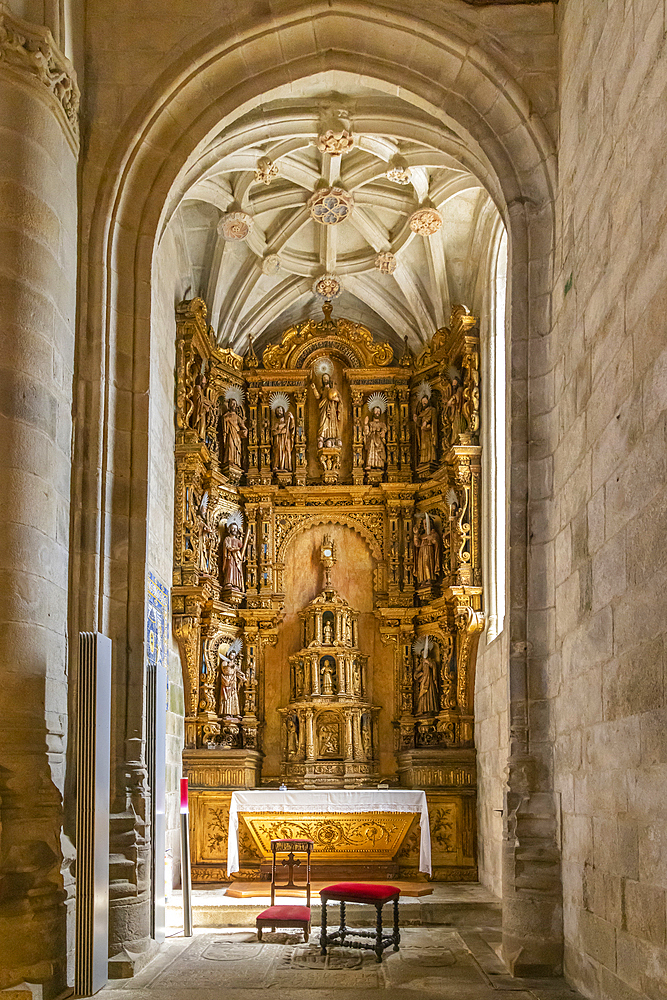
<point>402,800</point>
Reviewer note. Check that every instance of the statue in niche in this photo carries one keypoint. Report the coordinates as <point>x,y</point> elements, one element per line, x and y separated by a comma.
<point>426,677</point>
<point>426,542</point>
<point>233,554</point>
<point>427,426</point>
<point>356,677</point>
<point>327,674</point>
<point>328,432</point>
<point>375,433</point>
<point>366,737</point>
<point>230,675</point>
<point>292,735</point>
<point>300,682</point>
<point>234,429</point>
<point>282,434</point>
<point>327,633</point>
<point>456,408</point>
<point>209,536</point>
<point>201,405</point>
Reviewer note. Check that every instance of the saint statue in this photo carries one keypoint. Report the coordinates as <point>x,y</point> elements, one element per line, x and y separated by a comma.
<point>425,677</point>
<point>230,674</point>
<point>366,738</point>
<point>292,736</point>
<point>356,677</point>
<point>234,431</point>
<point>427,551</point>
<point>427,428</point>
<point>327,633</point>
<point>455,407</point>
<point>375,433</point>
<point>201,405</point>
<point>233,555</point>
<point>328,432</point>
<point>282,435</point>
<point>328,668</point>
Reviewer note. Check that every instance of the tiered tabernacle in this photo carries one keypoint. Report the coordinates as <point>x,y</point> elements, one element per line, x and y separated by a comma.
<point>330,726</point>
<point>328,434</point>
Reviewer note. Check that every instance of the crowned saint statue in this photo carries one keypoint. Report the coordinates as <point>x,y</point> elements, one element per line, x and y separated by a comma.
<point>282,433</point>
<point>375,432</point>
<point>328,433</point>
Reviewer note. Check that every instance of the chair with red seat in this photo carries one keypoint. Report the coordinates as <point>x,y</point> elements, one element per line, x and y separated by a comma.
<point>360,892</point>
<point>282,915</point>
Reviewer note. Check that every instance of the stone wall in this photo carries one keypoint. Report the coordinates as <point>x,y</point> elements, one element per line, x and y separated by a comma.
<point>491,740</point>
<point>168,288</point>
<point>607,379</point>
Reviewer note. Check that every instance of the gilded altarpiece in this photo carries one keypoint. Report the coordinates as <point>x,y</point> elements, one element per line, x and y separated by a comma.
<point>328,429</point>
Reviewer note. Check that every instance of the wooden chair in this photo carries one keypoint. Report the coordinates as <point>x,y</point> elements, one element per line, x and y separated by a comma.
<point>282,915</point>
<point>360,892</point>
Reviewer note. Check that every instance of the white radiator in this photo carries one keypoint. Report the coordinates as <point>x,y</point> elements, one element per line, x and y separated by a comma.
<point>93,728</point>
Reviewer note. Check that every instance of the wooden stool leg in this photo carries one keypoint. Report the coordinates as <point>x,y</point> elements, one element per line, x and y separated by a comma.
<point>259,933</point>
<point>397,936</point>
<point>343,928</point>
<point>323,929</point>
<point>378,932</point>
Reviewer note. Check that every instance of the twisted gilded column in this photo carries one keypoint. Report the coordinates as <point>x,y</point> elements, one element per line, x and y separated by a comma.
<point>38,265</point>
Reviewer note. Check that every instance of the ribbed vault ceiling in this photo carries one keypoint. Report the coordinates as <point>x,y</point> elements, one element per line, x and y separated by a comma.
<point>432,272</point>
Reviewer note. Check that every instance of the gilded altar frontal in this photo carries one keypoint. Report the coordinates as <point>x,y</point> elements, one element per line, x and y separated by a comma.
<point>327,588</point>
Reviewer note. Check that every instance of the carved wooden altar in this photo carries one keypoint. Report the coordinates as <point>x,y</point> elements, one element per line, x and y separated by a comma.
<point>328,430</point>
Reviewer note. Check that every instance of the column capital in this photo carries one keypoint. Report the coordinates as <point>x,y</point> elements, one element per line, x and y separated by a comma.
<point>30,51</point>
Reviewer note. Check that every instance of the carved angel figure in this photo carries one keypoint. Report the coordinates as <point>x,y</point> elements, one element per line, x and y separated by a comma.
<point>328,432</point>
<point>233,555</point>
<point>375,433</point>
<point>234,430</point>
<point>201,406</point>
<point>208,555</point>
<point>230,674</point>
<point>282,434</point>
<point>427,427</point>
<point>426,540</point>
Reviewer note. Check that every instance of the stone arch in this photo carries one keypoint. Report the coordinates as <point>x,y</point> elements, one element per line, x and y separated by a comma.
<point>306,521</point>
<point>219,75</point>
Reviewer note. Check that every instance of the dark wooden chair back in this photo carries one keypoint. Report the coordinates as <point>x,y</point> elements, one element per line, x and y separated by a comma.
<point>290,847</point>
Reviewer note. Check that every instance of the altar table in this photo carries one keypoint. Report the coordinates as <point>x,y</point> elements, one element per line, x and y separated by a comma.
<point>358,800</point>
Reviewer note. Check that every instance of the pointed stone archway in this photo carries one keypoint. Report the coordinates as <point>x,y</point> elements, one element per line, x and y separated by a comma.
<point>126,198</point>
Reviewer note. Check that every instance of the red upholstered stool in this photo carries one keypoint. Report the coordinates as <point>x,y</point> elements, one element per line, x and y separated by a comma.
<point>360,892</point>
<point>282,915</point>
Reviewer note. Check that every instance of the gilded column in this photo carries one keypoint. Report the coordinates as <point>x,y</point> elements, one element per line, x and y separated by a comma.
<point>301,461</point>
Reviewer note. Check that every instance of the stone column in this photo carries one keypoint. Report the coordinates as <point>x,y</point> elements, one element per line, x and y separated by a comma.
<point>38,266</point>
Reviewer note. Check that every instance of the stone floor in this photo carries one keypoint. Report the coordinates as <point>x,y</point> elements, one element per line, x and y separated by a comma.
<point>450,956</point>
